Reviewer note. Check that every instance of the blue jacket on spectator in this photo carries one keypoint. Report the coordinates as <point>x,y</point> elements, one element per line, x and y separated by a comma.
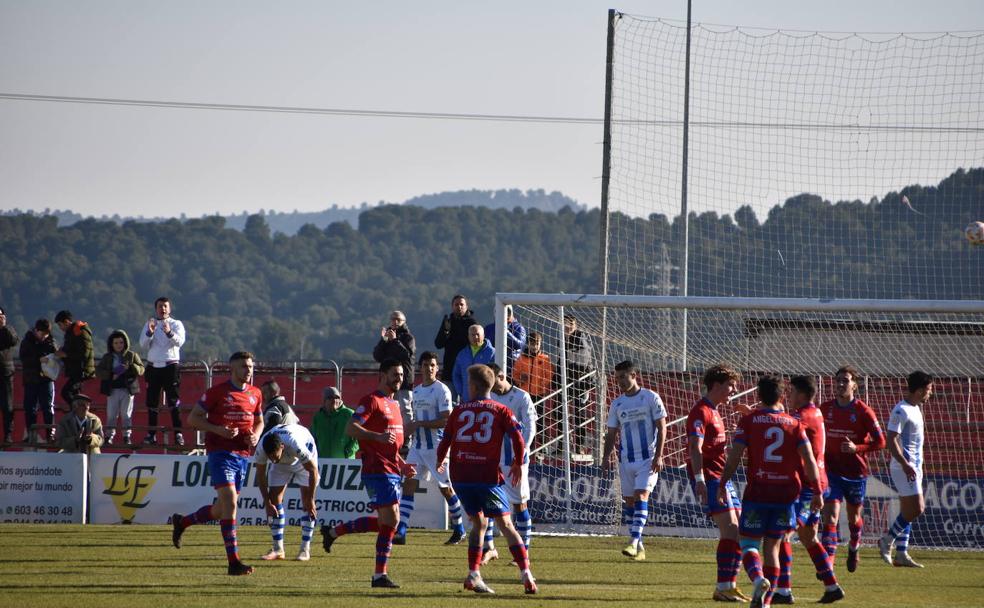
<point>515,342</point>
<point>465,359</point>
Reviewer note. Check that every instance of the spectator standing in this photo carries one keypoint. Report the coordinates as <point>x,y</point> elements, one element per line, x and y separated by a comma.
<point>8,340</point>
<point>453,337</point>
<point>515,339</point>
<point>76,352</point>
<point>276,410</point>
<point>119,371</point>
<point>396,342</point>
<point>39,390</point>
<point>579,383</point>
<point>478,352</point>
<point>534,374</point>
<point>328,427</point>
<point>80,431</point>
<point>163,336</point>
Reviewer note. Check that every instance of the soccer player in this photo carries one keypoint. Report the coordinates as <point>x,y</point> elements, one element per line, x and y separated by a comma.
<point>230,416</point>
<point>474,436</point>
<point>291,450</point>
<point>378,425</point>
<point>706,445</point>
<point>431,405</point>
<point>801,391</point>
<point>638,417</point>
<point>852,433</point>
<point>520,404</point>
<point>778,451</point>
<point>905,441</point>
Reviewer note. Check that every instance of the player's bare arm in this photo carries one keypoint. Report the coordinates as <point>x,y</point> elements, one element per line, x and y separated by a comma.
<point>307,496</point>
<point>607,457</point>
<point>895,447</point>
<point>356,431</point>
<point>812,473</point>
<point>734,459</point>
<point>660,445</point>
<point>695,445</point>
<point>198,420</point>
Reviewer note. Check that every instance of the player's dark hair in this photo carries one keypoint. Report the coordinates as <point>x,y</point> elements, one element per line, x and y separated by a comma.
<point>722,372</point>
<point>769,389</point>
<point>161,299</point>
<point>241,355</point>
<point>43,325</point>
<point>428,355</point>
<point>494,367</point>
<point>64,315</point>
<point>273,386</point>
<point>271,441</point>
<point>848,369</point>
<point>804,384</point>
<point>918,380</point>
<point>627,366</point>
<point>481,377</point>
<point>388,364</point>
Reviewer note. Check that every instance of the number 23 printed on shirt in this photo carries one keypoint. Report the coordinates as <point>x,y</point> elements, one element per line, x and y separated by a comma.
<point>483,421</point>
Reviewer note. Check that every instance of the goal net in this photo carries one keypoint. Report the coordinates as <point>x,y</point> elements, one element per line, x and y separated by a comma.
<point>819,165</point>
<point>885,340</point>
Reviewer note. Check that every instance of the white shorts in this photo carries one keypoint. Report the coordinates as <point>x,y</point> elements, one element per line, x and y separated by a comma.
<point>637,476</point>
<point>425,461</point>
<point>282,474</point>
<point>518,493</point>
<point>902,483</point>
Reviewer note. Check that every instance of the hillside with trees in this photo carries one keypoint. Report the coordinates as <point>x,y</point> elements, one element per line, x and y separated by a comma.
<point>325,292</point>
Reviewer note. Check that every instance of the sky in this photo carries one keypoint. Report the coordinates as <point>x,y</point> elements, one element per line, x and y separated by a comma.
<point>543,58</point>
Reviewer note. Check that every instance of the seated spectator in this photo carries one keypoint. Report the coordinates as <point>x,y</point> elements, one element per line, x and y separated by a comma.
<point>79,431</point>
<point>478,352</point>
<point>328,427</point>
<point>276,410</point>
<point>515,339</point>
<point>396,342</point>
<point>39,389</point>
<point>119,371</point>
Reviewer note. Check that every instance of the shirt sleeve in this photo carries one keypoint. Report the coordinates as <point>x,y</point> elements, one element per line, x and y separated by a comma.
<point>740,432</point>
<point>695,423</point>
<point>659,410</point>
<point>613,416</point>
<point>896,420</point>
<point>444,399</point>
<point>362,411</point>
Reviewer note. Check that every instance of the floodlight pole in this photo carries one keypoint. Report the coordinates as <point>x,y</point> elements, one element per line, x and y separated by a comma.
<point>684,212</point>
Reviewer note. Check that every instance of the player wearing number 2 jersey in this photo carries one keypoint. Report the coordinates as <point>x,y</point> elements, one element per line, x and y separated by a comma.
<point>474,436</point>
<point>638,417</point>
<point>778,451</point>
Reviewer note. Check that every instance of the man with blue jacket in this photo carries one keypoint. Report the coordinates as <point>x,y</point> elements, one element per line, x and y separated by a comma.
<point>515,339</point>
<point>478,352</point>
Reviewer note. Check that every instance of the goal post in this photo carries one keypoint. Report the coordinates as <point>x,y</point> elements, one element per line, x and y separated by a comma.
<point>885,339</point>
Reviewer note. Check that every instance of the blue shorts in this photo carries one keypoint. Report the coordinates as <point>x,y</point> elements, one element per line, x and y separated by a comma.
<point>482,498</point>
<point>713,507</point>
<point>383,489</point>
<point>766,519</point>
<point>227,469</point>
<point>804,516</point>
<point>851,489</point>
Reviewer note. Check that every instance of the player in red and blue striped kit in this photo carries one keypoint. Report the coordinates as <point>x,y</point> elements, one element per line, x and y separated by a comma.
<point>378,425</point>
<point>230,414</point>
<point>778,451</point>
<point>474,436</point>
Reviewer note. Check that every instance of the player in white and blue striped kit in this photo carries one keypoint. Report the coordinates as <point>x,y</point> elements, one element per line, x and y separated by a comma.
<point>431,406</point>
<point>906,434</point>
<point>520,404</point>
<point>639,418</point>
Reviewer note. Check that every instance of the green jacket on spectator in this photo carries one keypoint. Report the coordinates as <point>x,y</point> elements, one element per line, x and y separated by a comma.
<point>328,429</point>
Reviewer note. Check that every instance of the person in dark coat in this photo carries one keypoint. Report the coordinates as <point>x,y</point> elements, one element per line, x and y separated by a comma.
<point>453,336</point>
<point>8,340</point>
<point>396,342</point>
<point>39,389</point>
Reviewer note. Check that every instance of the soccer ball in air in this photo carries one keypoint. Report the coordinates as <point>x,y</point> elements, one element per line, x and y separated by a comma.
<point>975,233</point>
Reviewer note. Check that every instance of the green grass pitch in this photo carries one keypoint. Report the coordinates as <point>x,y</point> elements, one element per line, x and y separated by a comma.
<point>51,566</point>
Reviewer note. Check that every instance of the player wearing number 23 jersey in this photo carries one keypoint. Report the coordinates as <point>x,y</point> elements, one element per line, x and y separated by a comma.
<point>474,435</point>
